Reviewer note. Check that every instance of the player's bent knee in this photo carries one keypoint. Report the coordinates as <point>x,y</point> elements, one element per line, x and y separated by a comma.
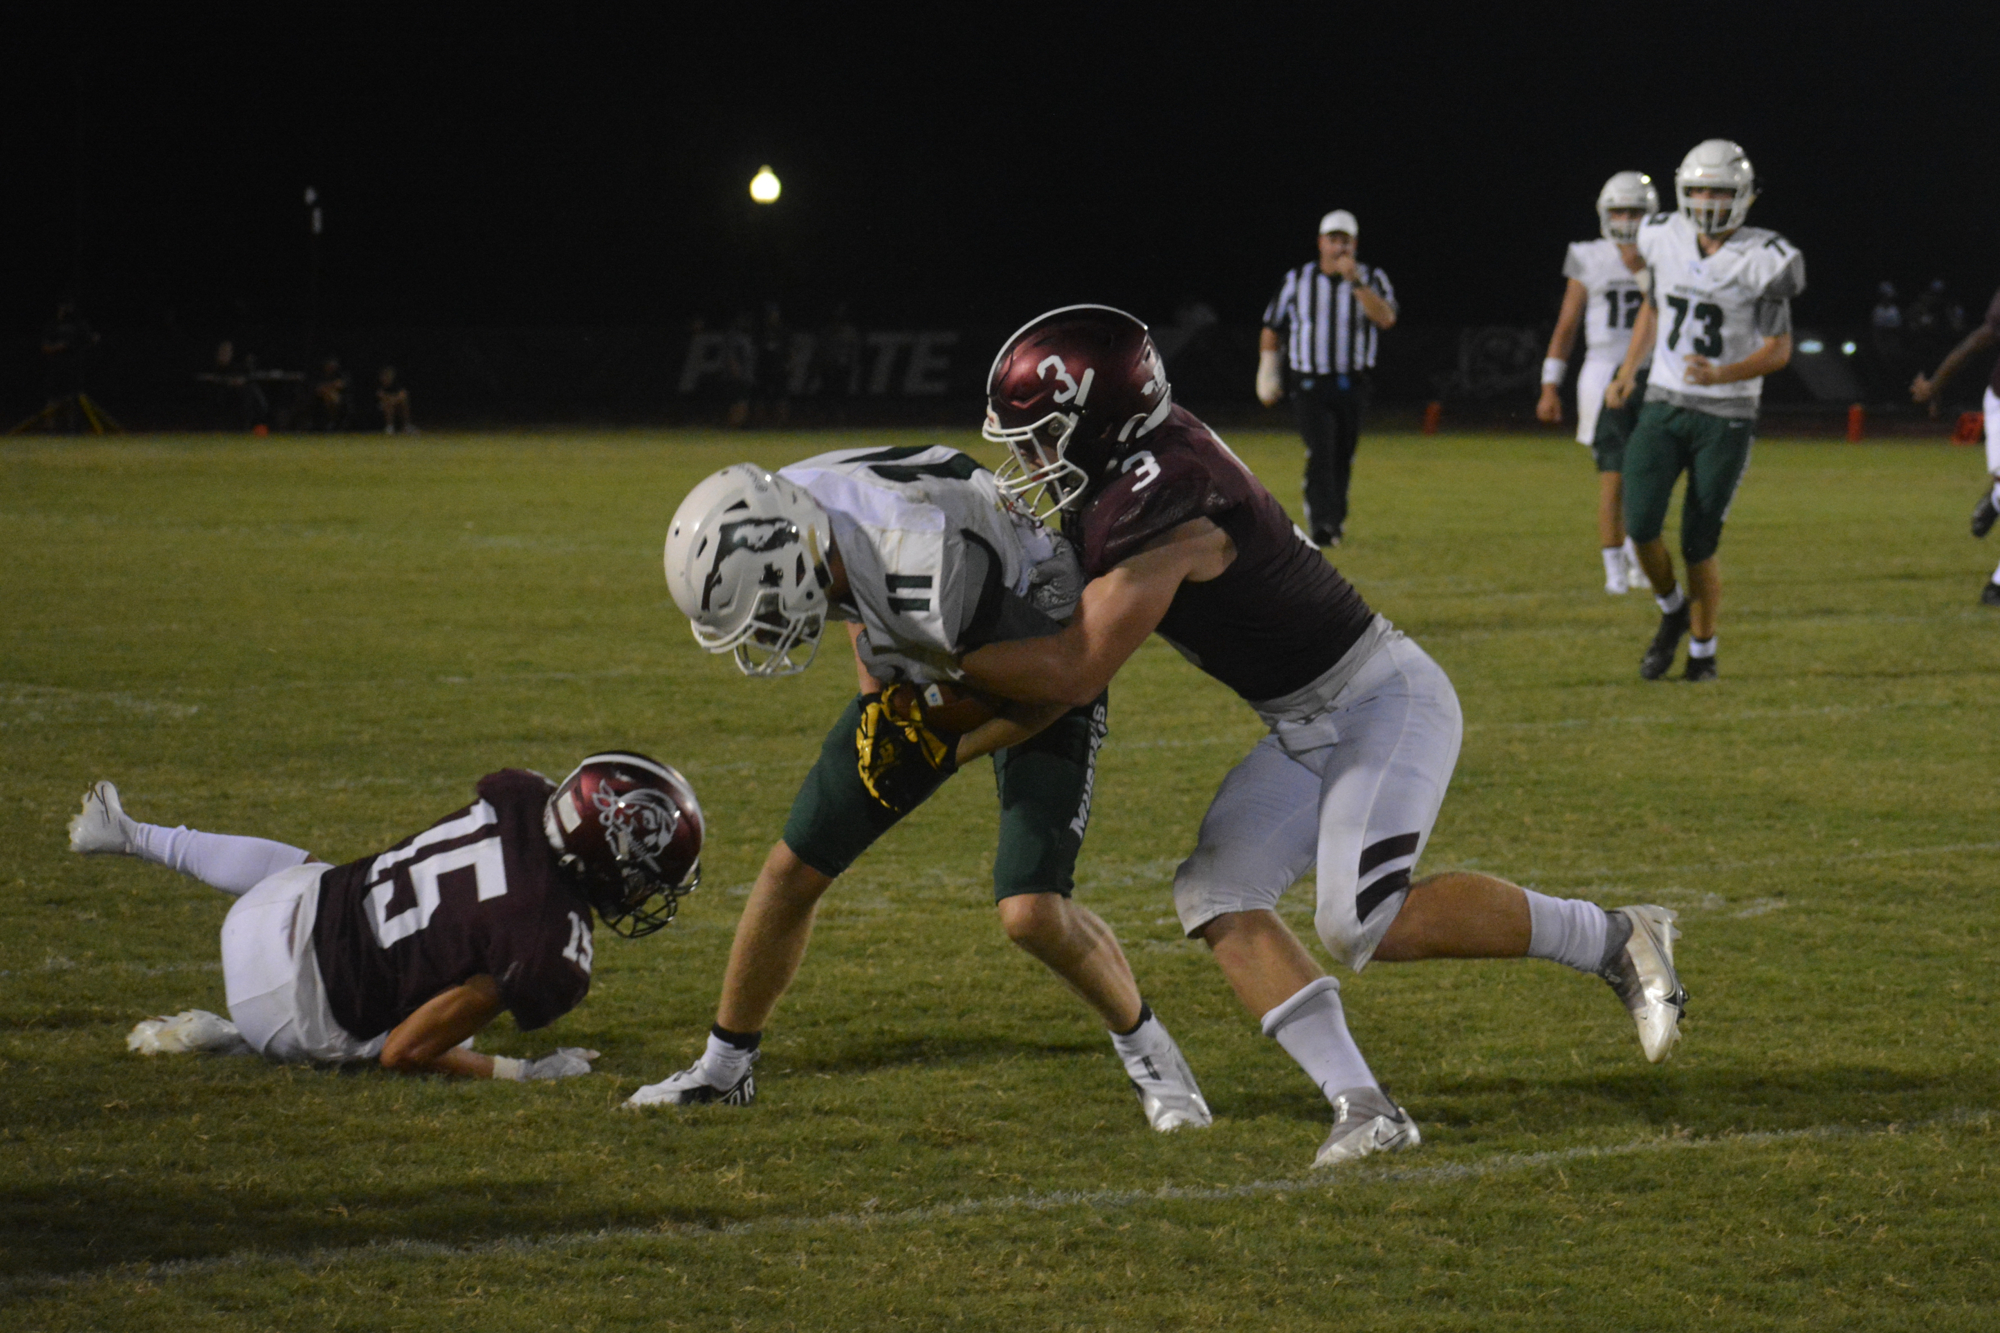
<point>1349,939</point>
<point>1033,918</point>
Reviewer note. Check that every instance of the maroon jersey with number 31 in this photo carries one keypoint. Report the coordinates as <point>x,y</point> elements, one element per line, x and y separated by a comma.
<point>475,893</point>
<point>1279,617</point>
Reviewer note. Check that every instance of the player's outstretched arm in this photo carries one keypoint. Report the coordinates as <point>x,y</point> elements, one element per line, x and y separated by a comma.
<point>1975,342</point>
<point>1117,612</point>
<point>427,1041</point>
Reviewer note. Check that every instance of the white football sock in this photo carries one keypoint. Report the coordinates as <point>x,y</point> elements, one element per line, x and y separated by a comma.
<point>1996,491</point>
<point>1702,647</point>
<point>1996,568</point>
<point>1569,931</point>
<point>1672,602</point>
<point>1614,564</point>
<point>1312,1028</point>
<point>1150,1037</point>
<point>725,1064</point>
<point>223,861</point>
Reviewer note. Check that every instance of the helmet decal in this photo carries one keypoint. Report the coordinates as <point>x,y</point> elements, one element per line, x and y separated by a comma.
<point>638,823</point>
<point>754,535</point>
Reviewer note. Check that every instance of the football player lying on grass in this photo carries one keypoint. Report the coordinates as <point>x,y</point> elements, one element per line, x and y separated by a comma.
<point>921,553</point>
<point>401,957</point>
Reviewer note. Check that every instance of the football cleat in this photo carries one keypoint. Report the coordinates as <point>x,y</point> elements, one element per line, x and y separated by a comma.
<point>1700,669</point>
<point>691,1087</point>
<point>1984,513</point>
<point>1365,1121</point>
<point>1615,581</point>
<point>1643,976</point>
<point>1660,653</point>
<point>1990,595</point>
<point>101,828</point>
<point>1167,1091</point>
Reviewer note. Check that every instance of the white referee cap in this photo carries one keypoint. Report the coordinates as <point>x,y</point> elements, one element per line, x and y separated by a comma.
<point>1339,220</point>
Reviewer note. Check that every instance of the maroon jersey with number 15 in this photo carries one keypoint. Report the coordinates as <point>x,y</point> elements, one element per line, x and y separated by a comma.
<point>1279,617</point>
<point>475,893</point>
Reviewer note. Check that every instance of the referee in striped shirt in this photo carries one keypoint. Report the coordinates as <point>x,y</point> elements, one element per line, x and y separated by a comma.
<point>1327,316</point>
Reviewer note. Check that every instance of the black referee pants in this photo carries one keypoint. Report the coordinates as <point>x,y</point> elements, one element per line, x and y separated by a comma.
<point>1330,422</point>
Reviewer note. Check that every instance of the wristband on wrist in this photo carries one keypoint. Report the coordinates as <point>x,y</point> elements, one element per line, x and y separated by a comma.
<point>510,1068</point>
<point>1554,369</point>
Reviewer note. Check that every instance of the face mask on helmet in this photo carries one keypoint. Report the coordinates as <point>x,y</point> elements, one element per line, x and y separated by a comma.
<point>1038,473</point>
<point>1715,187</point>
<point>1069,392</point>
<point>627,832</point>
<point>1626,200</point>
<point>746,563</point>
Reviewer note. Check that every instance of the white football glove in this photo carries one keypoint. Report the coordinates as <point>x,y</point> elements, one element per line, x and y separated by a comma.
<point>565,1062</point>
<point>1270,383</point>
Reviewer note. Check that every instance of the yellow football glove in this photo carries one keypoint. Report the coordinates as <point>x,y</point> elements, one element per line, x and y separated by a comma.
<point>901,759</point>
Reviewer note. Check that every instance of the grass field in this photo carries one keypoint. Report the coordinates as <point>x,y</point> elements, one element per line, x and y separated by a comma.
<point>326,642</point>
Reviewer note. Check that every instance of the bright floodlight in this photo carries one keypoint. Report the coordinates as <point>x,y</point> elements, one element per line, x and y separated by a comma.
<point>764,186</point>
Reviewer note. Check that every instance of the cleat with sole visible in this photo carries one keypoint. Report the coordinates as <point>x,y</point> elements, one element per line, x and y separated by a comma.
<point>1983,515</point>
<point>1666,642</point>
<point>1167,1091</point>
<point>1365,1121</point>
<point>1644,978</point>
<point>691,1087</point>
<point>101,828</point>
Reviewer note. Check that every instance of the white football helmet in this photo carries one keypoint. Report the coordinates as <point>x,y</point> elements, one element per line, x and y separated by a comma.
<point>746,563</point>
<point>1716,164</point>
<point>1628,189</point>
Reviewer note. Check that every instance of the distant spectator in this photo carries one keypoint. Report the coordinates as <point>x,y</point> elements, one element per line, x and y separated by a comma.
<point>773,368</point>
<point>66,340</point>
<point>329,405</point>
<point>238,398</point>
<point>393,398</point>
<point>839,355</point>
<point>1887,316</point>
<point>739,368</point>
<point>1933,322</point>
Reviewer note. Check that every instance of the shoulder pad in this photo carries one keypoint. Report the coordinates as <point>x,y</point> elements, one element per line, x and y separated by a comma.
<point>1156,493</point>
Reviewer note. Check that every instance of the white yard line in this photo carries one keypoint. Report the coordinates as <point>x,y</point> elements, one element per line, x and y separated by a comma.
<point>1380,1172</point>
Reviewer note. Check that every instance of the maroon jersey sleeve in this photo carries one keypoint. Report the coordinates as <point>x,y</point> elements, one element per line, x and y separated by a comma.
<point>475,893</point>
<point>1279,617</point>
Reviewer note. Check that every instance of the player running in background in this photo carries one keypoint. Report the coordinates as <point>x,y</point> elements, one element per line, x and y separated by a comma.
<point>1926,391</point>
<point>403,956</point>
<point>924,557</point>
<point>1718,319</point>
<point>1603,296</point>
<point>1178,537</point>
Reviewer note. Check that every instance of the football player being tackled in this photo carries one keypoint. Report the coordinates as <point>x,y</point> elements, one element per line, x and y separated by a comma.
<point>1602,296</point>
<point>1178,537</point>
<point>924,557</point>
<point>401,957</point>
<point>1727,289</point>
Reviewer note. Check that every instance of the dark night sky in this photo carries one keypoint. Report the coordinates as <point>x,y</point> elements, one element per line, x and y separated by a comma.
<point>971,169</point>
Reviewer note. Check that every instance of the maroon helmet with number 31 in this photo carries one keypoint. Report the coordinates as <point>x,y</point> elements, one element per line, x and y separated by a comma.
<point>1069,394</point>
<point>627,831</point>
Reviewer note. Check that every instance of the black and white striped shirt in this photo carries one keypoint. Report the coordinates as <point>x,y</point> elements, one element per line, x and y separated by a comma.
<point>1326,330</point>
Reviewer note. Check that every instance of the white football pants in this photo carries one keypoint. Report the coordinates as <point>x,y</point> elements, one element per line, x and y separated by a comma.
<point>1354,791</point>
<point>271,974</point>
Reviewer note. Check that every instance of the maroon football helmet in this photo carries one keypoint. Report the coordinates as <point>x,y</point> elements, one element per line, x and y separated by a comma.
<point>1069,394</point>
<point>627,831</point>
